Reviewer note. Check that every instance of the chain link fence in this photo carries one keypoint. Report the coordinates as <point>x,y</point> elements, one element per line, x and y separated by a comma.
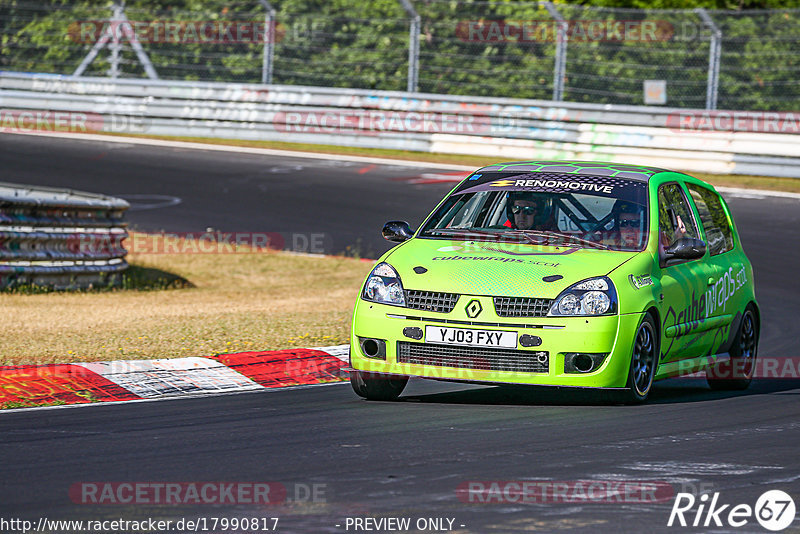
<point>760,60</point>
<point>610,52</point>
<point>677,58</point>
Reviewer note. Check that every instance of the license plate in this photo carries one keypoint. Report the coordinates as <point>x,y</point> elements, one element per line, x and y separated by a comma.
<point>468,336</point>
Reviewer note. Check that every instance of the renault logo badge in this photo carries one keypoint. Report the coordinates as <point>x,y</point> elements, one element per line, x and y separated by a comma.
<point>473,309</point>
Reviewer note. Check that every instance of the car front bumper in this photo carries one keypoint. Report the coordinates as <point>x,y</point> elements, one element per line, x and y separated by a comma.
<point>559,336</point>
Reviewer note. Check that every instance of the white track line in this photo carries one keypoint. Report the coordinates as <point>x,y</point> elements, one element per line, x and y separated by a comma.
<point>249,150</point>
<point>756,193</point>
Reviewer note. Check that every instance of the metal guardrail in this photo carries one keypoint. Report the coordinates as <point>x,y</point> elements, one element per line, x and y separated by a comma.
<point>498,127</point>
<point>60,238</point>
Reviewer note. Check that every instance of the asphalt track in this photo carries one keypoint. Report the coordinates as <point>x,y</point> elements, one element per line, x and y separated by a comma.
<point>346,202</point>
<point>403,459</point>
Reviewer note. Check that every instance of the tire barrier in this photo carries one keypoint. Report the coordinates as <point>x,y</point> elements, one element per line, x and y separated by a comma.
<point>60,238</point>
<point>720,142</point>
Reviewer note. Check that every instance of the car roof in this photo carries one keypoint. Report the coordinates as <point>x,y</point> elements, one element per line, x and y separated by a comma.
<point>581,168</point>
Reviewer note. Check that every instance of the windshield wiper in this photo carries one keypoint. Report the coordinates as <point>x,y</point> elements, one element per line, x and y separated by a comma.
<point>493,233</point>
<point>462,231</point>
<point>571,237</point>
<point>549,234</point>
<point>527,234</point>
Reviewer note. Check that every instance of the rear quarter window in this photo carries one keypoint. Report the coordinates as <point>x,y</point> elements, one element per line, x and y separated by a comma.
<point>713,218</point>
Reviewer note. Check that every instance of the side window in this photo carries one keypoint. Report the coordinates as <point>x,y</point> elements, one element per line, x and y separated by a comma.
<point>467,212</point>
<point>674,215</point>
<point>713,218</point>
<point>457,209</point>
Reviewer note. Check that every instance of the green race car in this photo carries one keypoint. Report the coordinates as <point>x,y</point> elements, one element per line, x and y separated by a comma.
<point>563,274</point>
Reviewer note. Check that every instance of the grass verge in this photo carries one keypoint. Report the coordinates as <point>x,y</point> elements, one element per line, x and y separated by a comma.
<point>730,180</point>
<point>28,404</point>
<point>232,302</point>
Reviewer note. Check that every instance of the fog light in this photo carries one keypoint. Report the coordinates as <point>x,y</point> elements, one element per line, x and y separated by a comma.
<point>583,362</point>
<point>373,348</point>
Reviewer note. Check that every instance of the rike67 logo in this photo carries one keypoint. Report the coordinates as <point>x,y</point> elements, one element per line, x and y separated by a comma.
<point>774,510</point>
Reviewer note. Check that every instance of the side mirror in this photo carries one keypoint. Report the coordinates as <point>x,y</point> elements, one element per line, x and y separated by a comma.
<point>685,248</point>
<point>397,231</point>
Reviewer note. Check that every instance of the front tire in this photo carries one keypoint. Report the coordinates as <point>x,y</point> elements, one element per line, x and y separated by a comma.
<point>743,358</point>
<point>644,361</point>
<point>375,386</point>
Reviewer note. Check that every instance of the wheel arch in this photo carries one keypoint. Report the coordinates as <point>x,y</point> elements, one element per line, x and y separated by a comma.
<point>757,311</point>
<point>653,312</point>
<point>736,323</point>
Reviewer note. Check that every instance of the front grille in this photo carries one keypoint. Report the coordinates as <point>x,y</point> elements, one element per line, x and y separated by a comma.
<point>487,359</point>
<point>431,301</point>
<point>521,306</point>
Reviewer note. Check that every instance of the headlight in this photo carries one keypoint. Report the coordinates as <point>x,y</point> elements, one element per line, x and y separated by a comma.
<point>595,302</point>
<point>595,296</point>
<point>569,305</point>
<point>384,286</point>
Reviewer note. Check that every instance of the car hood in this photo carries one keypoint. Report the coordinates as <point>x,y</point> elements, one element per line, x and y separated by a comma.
<point>501,269</point>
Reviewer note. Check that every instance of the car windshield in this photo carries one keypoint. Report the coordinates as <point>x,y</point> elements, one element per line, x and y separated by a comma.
<point>582,211</point>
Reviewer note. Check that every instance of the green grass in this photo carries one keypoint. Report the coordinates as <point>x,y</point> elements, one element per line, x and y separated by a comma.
<point>28,404</point>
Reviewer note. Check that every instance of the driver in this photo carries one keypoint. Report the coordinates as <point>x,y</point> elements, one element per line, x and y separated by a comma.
<point>529,211</point>
<point>628,223</point>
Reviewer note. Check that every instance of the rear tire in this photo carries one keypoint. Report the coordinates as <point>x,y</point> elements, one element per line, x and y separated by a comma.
<point>644,361</point>
<point>375,386</point>
<point>741,366</point>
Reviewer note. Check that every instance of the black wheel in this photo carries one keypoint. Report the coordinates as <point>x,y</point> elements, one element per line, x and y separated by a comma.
<point>375,386</point>
<point>644,361</point>
<point>736,374</point>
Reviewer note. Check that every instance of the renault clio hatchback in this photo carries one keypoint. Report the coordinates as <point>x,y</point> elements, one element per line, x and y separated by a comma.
<point>577,274</point>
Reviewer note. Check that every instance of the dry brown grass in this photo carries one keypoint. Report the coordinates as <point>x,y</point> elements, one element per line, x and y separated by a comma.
<point>240,302</point>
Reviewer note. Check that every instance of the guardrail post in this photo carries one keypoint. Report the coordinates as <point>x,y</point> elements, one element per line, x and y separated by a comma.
<point>269,42</point>
<point>413,47</point>
<point>115,46</point>
<point>714,56</point>
<point>119,22</point>
<point>560,67</point>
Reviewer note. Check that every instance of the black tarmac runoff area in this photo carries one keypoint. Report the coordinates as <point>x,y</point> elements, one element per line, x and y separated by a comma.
<point>445,457</point>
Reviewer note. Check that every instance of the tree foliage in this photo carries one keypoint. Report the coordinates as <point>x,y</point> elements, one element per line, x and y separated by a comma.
<point>364,44</point>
